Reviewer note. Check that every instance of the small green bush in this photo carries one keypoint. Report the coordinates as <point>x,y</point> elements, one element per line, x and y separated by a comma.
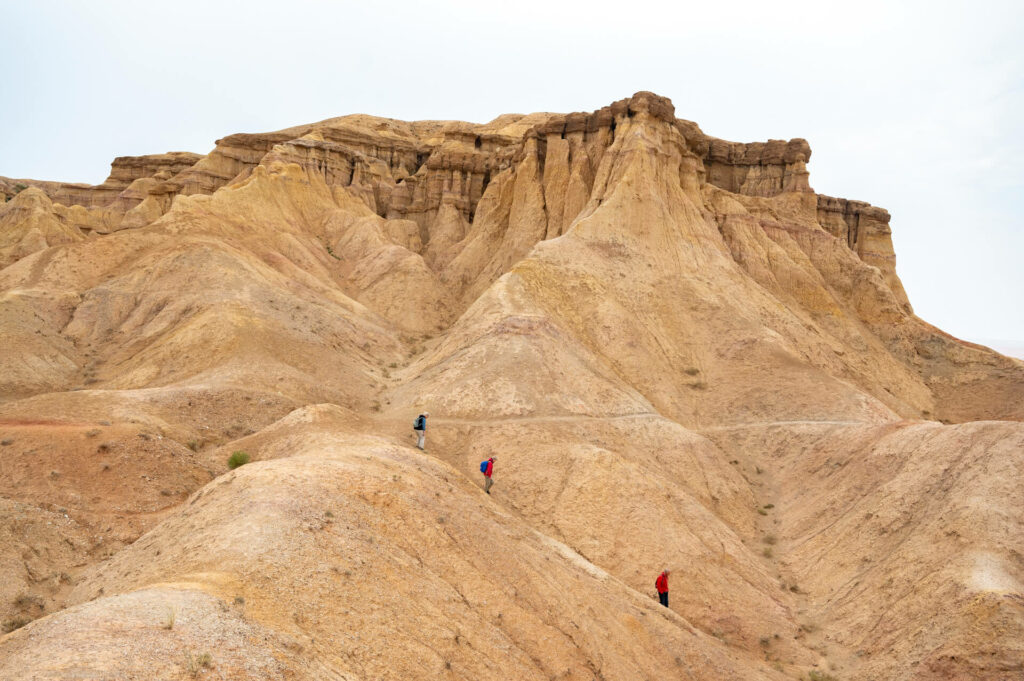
<point>238,458</point>
<point>815,675</point>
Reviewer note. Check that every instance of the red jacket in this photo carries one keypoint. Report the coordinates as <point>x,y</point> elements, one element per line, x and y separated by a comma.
<point>490,468</point>
<point>661,583</point>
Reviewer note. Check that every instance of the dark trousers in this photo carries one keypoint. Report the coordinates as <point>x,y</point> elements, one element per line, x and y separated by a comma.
<point>663,597</point>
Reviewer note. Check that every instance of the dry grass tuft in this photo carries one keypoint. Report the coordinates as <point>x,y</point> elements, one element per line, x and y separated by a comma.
<point>195,664</point>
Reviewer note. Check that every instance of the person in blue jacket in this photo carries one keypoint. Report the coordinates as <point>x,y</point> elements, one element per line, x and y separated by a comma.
<point>420,428</point>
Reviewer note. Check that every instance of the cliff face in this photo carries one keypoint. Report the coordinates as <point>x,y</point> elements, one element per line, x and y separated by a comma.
<point>412,170</point>
<point>865,229</point>
<point>759,169</point>
<point>681,355</point>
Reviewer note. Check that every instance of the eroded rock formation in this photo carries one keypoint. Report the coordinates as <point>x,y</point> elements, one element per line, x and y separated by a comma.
<point>681,354</point>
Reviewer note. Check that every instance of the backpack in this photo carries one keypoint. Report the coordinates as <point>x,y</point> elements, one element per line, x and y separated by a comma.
<point>483,466</point>
<point>418,423</point>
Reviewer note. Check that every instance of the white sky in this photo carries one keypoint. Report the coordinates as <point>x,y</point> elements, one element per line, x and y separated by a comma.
<point>917,107</point>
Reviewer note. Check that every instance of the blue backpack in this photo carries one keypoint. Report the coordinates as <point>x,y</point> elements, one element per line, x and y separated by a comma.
<point>483,466</point>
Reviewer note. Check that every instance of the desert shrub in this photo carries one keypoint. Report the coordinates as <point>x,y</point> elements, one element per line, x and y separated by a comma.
<point>15,623</point>
<point>169,620</point>
<point>767,553</point>
<point>815,675</point>
<point>770,539</point>
<point>238,458</point>
<point>7,441</point>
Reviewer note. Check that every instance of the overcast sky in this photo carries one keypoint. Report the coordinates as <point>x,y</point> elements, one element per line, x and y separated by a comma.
<point>915,107</point>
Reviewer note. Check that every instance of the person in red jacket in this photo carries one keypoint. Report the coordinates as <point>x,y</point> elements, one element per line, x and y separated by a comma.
<point>487,474</point>
<point>661,584</point>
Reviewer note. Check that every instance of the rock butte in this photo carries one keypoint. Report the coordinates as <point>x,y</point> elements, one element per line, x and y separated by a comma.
<point>681,354</point>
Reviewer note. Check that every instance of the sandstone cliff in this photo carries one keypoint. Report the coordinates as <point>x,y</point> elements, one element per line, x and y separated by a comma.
<point>680,353</point>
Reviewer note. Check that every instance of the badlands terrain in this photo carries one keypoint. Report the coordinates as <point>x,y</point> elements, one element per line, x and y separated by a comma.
<point>681,355</point>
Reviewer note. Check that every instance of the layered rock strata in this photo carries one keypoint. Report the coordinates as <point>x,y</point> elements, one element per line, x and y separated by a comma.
<point>681,355</point>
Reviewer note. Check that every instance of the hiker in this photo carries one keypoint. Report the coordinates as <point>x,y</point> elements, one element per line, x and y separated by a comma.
<point>420,428</point>
<point>661,584</point>
<point>487,468</point>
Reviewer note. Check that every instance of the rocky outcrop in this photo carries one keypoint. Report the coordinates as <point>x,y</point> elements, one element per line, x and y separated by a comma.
<point>29,223</point>
<point>865,230</point>
<point>406,171</point>
<point>125,171</point>
<point>760,168</point>
<point>232,156</point>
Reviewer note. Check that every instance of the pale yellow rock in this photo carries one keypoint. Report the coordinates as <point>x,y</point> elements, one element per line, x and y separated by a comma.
<point>680,354</point>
